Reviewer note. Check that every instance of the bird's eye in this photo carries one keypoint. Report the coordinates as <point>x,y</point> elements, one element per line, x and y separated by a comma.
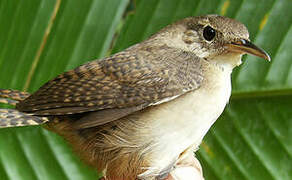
<point>209,33</point>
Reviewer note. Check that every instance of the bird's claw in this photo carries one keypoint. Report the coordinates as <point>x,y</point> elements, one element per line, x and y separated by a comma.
<point>187,168</point>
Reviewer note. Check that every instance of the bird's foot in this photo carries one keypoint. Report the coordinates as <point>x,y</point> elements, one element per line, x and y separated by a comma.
<point>187,168</point>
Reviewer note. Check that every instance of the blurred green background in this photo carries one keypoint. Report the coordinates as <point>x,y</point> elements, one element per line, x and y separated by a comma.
<point>41,38</point>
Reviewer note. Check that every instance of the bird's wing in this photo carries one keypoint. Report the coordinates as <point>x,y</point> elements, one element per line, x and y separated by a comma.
<point>120,85</point>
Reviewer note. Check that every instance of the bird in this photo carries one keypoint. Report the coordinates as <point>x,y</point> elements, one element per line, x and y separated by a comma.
<point>140,113</point>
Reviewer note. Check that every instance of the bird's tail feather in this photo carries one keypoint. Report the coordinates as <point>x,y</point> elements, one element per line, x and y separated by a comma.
<point>12,97</point>
<point>8,101</point>
<point>12,117</point>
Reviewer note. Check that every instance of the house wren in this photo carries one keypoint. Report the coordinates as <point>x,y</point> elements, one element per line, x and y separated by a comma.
<point>140,113</point>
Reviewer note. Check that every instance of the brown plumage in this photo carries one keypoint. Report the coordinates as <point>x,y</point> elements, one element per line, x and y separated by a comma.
<point>140,112</point>
<point>109,89</point>
<point>138,76</point>
<point>13,94</point>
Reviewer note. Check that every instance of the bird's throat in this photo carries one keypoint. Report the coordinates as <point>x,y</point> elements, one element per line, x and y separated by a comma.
<point>227,61</point>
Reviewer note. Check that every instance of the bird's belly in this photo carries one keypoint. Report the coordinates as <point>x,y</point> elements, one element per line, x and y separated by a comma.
<point>183,122</point>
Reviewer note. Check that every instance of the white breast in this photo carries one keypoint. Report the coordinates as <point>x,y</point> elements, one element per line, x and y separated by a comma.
<point>183,122</point>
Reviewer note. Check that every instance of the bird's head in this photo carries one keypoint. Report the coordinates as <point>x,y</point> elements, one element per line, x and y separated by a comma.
<point>212,37</point>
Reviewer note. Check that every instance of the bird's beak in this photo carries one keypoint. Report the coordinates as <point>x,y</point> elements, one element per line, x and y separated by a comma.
<point>245,46</point>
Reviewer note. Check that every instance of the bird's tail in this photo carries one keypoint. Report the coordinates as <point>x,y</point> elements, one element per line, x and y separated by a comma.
<point>13,117</point>
<point>12,97</point>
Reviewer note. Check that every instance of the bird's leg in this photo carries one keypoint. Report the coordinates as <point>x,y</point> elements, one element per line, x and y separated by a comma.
<point>190,161</point>
<point>164,174</point>
<point>187,167</point>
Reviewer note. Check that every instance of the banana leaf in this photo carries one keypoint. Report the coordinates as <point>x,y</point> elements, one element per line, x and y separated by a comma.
<point>40,39</point>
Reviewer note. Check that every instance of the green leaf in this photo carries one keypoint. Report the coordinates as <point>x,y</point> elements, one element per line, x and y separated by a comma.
<point>40,39</point>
